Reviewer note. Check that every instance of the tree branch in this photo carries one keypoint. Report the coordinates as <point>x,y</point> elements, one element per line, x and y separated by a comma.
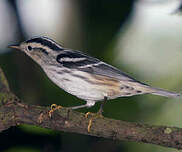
<point>13,113</point>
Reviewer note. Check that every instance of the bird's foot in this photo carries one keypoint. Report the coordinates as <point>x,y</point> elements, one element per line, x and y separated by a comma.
<point>54,107</point>
<point>93,116</point>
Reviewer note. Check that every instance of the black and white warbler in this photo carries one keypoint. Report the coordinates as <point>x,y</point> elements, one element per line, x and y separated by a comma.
<point>84,76</point>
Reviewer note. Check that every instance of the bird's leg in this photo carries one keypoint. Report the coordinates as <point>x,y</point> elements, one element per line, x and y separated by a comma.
<point>56,107</point>
<point>95,115</point>
<point>101,106</point>
<point>78,107</point>
<point>100,109</point>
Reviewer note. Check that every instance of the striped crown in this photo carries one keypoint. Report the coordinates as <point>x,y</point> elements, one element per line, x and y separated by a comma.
<point>45,41</point>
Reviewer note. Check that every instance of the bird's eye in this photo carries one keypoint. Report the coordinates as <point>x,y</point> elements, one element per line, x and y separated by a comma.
<point>29,48</point>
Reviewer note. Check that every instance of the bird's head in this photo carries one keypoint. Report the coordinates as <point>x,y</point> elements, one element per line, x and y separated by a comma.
<point>40,49</point>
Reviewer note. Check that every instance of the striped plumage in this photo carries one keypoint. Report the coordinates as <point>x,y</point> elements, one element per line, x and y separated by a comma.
<point>86,77</point>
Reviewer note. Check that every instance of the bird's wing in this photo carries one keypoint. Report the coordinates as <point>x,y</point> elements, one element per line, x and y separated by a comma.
<point>80,61</point>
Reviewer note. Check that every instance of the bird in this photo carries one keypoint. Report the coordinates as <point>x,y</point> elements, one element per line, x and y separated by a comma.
<point>83,76</point>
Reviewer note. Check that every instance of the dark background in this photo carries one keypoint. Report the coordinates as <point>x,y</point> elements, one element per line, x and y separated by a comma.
<point>110,31</point>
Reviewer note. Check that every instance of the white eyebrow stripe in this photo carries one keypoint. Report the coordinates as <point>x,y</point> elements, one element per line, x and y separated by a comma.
<point>67,59</point>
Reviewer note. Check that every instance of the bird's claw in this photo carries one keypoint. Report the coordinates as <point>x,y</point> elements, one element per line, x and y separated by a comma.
<point>54,107</point>
<point>93,116</point>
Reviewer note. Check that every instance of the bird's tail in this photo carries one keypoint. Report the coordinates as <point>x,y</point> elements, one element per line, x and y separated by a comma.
<point>161,92</point>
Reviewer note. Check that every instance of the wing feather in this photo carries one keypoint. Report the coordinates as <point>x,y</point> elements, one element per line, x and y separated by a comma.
<point>91,65</point>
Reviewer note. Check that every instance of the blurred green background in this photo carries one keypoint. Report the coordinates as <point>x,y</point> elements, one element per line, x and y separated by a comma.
<point>140,37</point>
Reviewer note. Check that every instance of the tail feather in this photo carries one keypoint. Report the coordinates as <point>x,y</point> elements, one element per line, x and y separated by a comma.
<point>165,93</point>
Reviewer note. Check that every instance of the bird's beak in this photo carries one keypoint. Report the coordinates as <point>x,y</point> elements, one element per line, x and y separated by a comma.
<point>14,47</point>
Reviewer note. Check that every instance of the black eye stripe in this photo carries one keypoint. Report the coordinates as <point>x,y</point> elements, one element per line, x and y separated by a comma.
<point>43,50</point>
